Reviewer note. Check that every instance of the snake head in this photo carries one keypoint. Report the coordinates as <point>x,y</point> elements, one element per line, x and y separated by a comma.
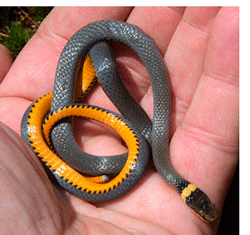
<point>201,205</point>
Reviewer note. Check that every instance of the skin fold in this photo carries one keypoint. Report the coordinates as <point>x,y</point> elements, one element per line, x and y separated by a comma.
<point>200,47</point>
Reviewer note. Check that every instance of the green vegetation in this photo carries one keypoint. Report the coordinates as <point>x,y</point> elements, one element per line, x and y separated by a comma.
<point>18,24</point>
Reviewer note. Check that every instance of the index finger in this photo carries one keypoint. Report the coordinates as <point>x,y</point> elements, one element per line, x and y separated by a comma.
<point>36,64</point>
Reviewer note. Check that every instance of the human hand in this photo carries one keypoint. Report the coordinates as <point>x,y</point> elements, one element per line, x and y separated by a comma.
<point>200,48</point>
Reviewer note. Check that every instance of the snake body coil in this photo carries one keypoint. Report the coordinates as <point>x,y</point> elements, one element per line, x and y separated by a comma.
<point>81,173</point>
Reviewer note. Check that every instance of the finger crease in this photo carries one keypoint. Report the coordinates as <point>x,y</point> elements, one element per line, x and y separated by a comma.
<point>195,27</point>
<point>210,139</point>
<point>230,80</point>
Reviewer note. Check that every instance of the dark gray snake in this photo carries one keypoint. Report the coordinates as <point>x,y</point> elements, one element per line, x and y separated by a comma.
<point>81,173</point>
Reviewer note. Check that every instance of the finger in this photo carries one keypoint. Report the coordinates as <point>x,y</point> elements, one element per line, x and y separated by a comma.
<point>185,57</point>
<point>205,146</point>
<point>5,61</point>
<point>185,33</point>
<point>36,64</point>
<point>11,112</point>
<point>159,22</point>
<point>223,54</point>
<point>26,193</point>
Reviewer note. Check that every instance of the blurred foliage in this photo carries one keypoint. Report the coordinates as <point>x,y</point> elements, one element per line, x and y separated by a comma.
<point>18,24</point>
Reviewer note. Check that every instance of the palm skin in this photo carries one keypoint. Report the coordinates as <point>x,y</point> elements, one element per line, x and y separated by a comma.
<point>201,51</point>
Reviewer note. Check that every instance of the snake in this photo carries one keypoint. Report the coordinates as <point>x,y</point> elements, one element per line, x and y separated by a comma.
<point>47,126</point>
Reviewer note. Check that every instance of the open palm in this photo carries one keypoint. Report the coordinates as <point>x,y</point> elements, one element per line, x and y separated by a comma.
<point>200,48</point>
